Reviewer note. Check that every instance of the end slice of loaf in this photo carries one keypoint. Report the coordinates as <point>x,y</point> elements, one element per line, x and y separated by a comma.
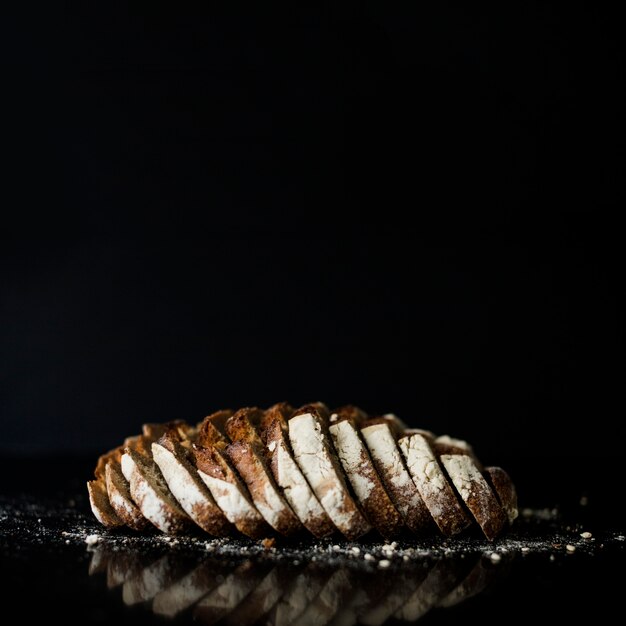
<point>390,466</point>
<point>247,455</point>
<point>505,491</point>
<point>288,476</point>
<point>476,493</point>
<point>365,481</point>
<point>100,505</point>
<point>432,484</point>
<point>187,487</point>
<point>152,495</point>
<point>316,458</point>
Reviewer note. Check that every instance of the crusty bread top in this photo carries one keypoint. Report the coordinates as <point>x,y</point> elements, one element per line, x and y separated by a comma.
<point>111,455</point>
<point>280,412</point>
<point>242,426</point>
<point>211,431</point>
<point>349,412</point>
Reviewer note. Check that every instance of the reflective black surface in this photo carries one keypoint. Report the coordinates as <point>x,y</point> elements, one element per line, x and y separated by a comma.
<point>57,562</point>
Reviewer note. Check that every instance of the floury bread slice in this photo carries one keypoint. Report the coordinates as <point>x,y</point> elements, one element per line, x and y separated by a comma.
<point>476,493</point>
<point>362,474</point>
<point>227,489</point>
<point>152,495</point>
<point>385,454</point>
<point>182,478</point>
<point>317,460</point>
<point>288,476</point>
<point>247,455</point>
<point>432,484</point>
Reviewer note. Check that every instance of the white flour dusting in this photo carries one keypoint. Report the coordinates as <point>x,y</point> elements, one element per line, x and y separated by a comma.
<point>230,499</point>
<point>463,473</point>
<point>295,487</point>
<point>422,464</point>
<point>313,457</point>
<point>179,480</point>
<point>353,457</point>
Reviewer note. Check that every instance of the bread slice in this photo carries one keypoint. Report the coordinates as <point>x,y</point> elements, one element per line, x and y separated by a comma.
<point>319,464</point>
<point>228,491</point>
<point>505,491</point>
<point>387,459</point>
<point>120,498</point>
<point>181,476</point>
<point>247,455</point>
<point>152,495</point>
<point>361,473</point>
<point>287,474</point>
<point>476,493</point>
<point>100,504</point>
<point>432,484</point>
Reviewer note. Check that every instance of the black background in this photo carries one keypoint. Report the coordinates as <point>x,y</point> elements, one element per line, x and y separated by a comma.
<point>412,210</point>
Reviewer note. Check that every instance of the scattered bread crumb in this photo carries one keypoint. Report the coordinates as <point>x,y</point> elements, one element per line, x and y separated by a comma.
<point>268,542</point>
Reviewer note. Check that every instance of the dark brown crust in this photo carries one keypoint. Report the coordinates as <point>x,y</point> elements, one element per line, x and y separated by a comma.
<point>280,413</point>
<point>211,431</point>
<point>319,408</point>
<point>120,497</point>
<point>378,507</point>
<point>115,454</point>
<point>394,426</point>
<point>504,489</point>
<point>213,462</point>
<point>246,453</point>
<point>349,412</point>
<point>207,514</point>
<point>480,500</point>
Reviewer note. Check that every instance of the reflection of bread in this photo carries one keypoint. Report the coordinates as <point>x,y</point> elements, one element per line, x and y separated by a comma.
<point>281,593</point>
<point>295,472</point>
